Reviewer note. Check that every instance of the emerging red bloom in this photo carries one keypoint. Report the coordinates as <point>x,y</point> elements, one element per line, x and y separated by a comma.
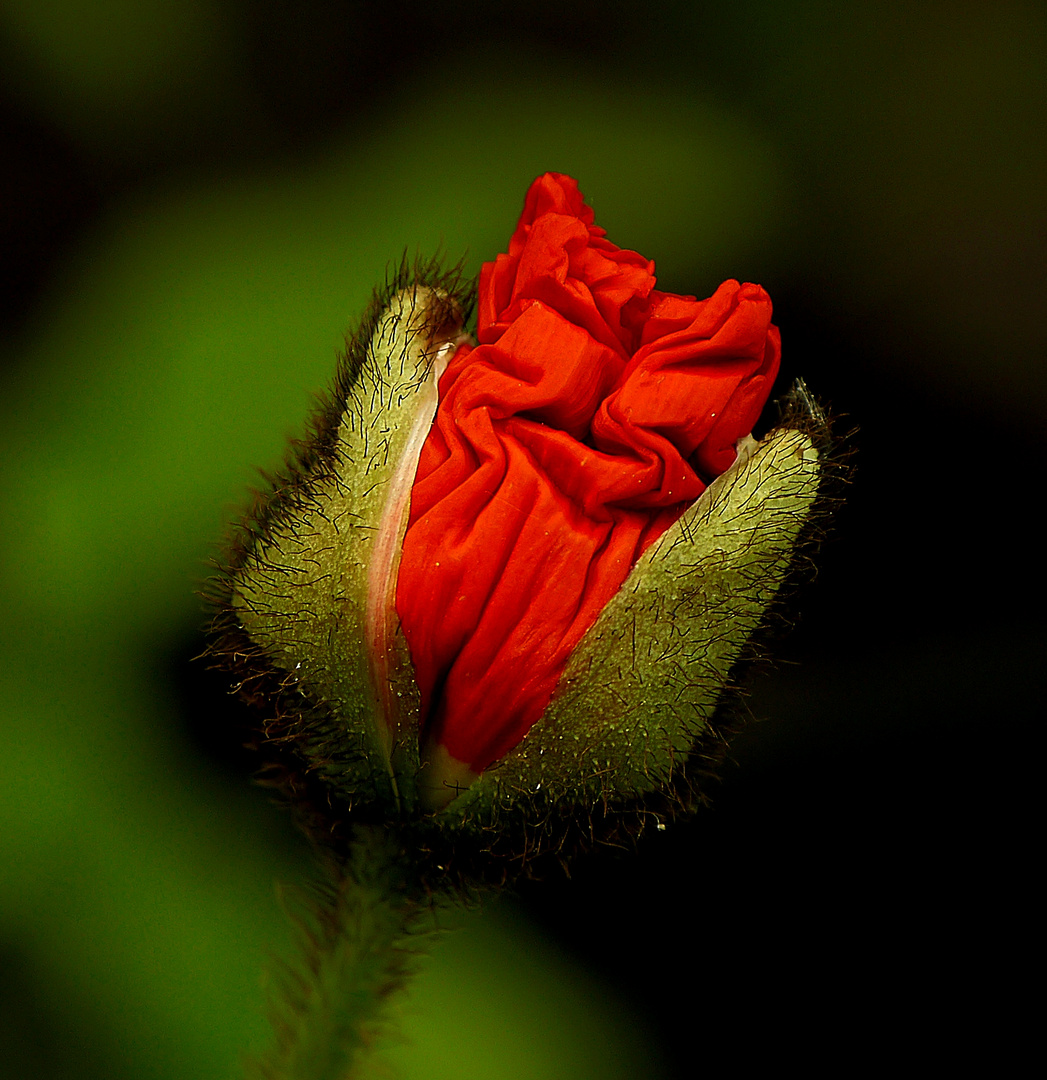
<point>593,411</point>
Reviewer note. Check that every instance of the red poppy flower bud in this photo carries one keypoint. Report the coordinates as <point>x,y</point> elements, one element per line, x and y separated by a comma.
<point>520,569</point>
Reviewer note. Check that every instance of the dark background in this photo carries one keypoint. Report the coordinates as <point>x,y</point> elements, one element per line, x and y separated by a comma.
<point>195,202</point>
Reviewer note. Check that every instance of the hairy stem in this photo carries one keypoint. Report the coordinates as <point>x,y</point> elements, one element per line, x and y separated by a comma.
<point>361,936</point>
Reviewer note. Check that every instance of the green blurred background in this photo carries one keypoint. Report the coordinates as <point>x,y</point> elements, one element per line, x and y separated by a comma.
<point>196,201</point>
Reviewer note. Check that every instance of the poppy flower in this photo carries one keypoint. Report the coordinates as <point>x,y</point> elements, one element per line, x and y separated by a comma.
<point>522,566</point>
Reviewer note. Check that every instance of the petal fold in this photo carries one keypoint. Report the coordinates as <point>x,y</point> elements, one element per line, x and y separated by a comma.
<point>593,412</point>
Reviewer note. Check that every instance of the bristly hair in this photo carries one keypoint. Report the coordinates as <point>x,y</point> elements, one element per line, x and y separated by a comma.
<point>286,719</point>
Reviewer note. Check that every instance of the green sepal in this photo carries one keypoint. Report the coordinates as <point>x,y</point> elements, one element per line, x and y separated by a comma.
<point>317,584</point>
<point>643,684</point>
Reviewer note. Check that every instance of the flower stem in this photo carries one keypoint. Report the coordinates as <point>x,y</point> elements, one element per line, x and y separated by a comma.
<point>361,936</point>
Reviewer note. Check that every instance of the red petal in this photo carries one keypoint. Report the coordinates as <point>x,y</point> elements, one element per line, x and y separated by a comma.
<point>594,410</point>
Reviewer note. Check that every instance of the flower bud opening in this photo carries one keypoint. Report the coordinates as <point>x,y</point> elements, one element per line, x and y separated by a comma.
<point>593,412</point>
<point>516,572</point>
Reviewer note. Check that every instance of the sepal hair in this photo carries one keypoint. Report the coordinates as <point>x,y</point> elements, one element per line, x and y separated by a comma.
<point>326,777</point>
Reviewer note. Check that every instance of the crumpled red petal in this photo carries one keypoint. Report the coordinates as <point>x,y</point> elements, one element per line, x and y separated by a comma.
<point>594,410</point>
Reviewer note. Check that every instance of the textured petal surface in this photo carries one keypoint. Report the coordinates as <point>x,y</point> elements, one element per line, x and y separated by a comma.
<point>594,410</point>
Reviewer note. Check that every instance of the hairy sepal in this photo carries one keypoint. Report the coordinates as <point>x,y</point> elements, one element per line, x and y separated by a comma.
<point>316,591</point>
<point>641,688</point>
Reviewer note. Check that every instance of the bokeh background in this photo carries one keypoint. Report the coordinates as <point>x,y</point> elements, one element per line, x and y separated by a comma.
<point>196,200</point>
